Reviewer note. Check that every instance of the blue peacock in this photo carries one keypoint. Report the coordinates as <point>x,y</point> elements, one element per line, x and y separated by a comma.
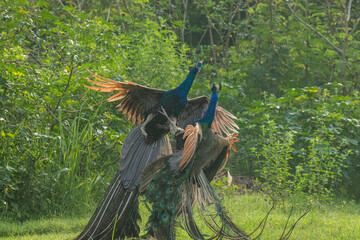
<point>145,107</point>
<point>174,184</point>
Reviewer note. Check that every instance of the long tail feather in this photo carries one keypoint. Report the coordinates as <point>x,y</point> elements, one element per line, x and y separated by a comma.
<point>136,154</point>
<point>118,210</point>
<point>216,220</point>
<point>117,204</point>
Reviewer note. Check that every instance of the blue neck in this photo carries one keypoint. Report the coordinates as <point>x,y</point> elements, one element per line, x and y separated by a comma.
<point>185,86</point>
<point>210,112</point>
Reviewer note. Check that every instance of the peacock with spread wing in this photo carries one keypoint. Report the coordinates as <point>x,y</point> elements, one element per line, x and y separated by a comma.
<point>117,212</point>
<point>175,183</point>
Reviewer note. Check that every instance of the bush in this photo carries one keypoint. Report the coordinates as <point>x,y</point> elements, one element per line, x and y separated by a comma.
<point>307,143</point>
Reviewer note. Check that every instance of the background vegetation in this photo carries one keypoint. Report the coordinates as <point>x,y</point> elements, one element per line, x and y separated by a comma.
<point>290,71</point>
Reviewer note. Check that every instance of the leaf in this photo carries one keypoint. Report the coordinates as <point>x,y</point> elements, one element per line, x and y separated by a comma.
<point>41,4</point>
<point>178,23</point>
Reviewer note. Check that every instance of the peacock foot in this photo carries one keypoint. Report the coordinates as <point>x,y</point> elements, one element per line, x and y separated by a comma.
<point>148,119</point>
<point>143,131</point>
<point>175,130</point>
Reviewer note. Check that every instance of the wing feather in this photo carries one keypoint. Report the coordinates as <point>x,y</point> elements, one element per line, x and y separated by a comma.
<point>135,100</point>
<point>219,121</point>
<point>226,118</point>
<point>223,120</point>
<point>191,134</point>
<point>232,139</point>
<point>117,96</point>
<point>122,104</point>
<point>215,127</point>
<point>125,105</point>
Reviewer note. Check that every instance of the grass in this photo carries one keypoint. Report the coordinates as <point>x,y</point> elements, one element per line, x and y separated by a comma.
<point>339,220</point>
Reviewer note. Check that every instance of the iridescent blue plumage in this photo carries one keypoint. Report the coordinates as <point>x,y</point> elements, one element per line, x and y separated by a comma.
<point>117,213</point>
<point>174,100</point>
<point>118,209</point>
<point>208,117</point>
<point>171,188</point>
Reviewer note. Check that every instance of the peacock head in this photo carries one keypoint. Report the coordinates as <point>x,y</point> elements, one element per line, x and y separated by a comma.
<point>199,65</point>
<point>215,87</point>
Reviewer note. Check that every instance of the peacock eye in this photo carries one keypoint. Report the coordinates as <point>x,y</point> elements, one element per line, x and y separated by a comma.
<point>155,226</point>
<point>170,181</point>
<point>164,216</point>
<point>171,189</point>
<point>158,194</point>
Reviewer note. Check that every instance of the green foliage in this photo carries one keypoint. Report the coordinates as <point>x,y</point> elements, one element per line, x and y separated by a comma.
<point>320,170</point>
<point>306,142</point>
<point>223,184</point>
<point>316,172</point>
<point>60,142</point>
<point>295,92</point>
<point>274,157</point>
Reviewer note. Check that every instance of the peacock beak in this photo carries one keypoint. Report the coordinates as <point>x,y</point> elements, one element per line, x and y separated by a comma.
<point>199,67</point>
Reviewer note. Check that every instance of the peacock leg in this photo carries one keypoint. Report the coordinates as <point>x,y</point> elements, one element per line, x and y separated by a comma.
<point>148,119</point>
<point>175,130</point>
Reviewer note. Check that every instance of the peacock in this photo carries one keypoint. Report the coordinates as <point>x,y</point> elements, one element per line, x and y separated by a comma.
<point>177,182</point>
<point>117,213</point>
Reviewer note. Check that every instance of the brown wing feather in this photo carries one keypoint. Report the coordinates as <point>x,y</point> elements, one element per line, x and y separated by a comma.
<point>192,136</point>
<point>232,139</point>
<point>135,100</point>
<point>194,109</point>
<point>225,118</point>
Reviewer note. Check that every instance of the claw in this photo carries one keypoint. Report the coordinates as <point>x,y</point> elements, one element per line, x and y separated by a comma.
<point>143,131</point>
<point>179,131</point>
<point>148,119</point>
<point>175,130</point>
<point>163,112</point>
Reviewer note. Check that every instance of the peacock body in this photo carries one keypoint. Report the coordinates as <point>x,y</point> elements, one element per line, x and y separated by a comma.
<point>117,212</point>
<point>175,183</point>
<point>145,143</point>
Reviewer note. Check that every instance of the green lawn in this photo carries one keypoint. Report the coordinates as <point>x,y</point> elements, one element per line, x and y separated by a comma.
<point>339,220</point>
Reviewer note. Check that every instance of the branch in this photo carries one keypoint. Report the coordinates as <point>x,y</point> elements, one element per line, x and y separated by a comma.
<point>65,8</point>
<point>52,114</point>
<point>127,9</point>
<point>184,19</point>
<point>349,10</point>
<point>316,31</point>
<point>249,15</point>
<point>108,17</point>
<point>210,32</point>
<point>202,37</point>
<point>227,41</point>
<point>352,31</point>
<point>66,87</point>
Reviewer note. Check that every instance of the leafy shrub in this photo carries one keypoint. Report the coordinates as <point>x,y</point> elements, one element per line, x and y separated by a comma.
<point>59,142</point>
<point>274,156</point>
<point>306,142</point>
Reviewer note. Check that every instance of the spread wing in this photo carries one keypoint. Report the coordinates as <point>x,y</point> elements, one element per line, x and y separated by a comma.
<point>195,109</point>
<point>192,135</point>
<point>232,139</point>
<point>211,168</point>
<point>135,100</point>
